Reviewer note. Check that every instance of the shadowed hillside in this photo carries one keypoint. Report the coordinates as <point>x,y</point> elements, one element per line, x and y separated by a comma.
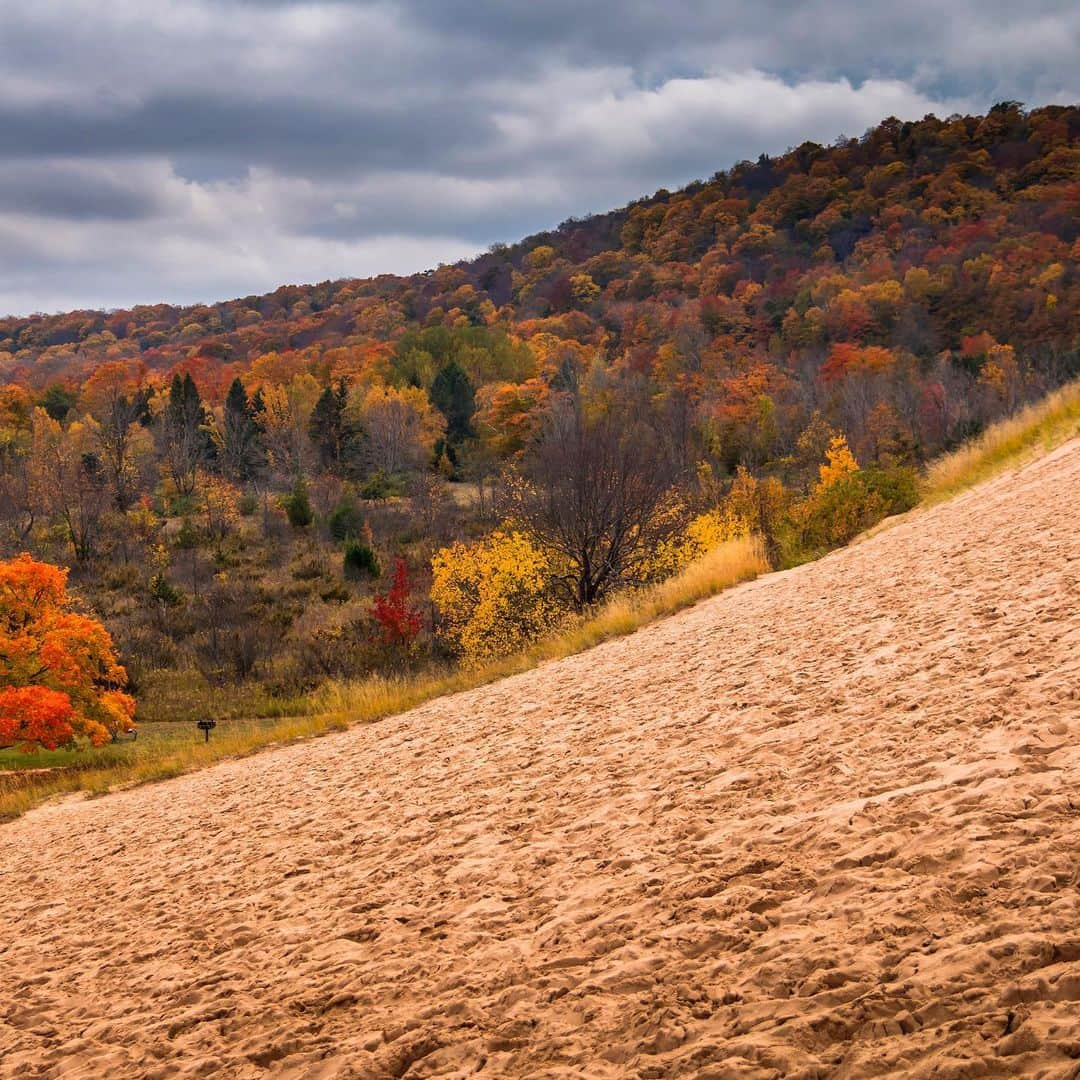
<point>821,825</point>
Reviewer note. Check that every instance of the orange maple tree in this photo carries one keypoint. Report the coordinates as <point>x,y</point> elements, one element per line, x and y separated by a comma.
<point>60,678</point>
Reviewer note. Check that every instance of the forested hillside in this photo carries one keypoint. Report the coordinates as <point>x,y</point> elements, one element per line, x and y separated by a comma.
<point>267,490</point>
<point>924,239</point>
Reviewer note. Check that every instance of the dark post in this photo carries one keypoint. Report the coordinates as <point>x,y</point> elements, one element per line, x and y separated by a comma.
<point>206,726</point>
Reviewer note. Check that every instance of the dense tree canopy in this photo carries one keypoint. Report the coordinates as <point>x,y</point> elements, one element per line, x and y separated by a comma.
<point>882,269</point>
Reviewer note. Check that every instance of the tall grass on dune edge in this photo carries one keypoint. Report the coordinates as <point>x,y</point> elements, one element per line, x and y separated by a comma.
<point>729,564</point>
<point>1010,443</point>
<point>343,704</point>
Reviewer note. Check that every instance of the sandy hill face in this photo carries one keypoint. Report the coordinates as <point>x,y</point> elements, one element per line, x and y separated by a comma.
<point>826,824</point>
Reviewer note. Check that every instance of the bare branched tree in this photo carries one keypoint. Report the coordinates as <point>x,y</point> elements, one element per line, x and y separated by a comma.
<point>599,490</point>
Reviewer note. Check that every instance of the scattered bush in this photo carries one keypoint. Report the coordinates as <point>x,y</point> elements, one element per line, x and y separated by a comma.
<point>346,521</point>
<point>335,594</point>
<point>376,487</point>
<point>359,561</point>
<point>836,513</point>
<point>297,505</point>
<point>309,569</point>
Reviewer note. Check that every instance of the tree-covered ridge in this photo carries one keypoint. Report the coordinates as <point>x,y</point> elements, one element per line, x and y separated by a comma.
<point>917,238</point>
<point>266,490</point>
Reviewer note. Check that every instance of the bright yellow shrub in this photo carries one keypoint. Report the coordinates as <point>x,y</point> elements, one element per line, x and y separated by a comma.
<point>840,462</point>
<point>702,534</point>
<point>493,597</point>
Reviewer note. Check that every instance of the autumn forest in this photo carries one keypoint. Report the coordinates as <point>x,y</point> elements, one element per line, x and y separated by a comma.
<point>259,496</point>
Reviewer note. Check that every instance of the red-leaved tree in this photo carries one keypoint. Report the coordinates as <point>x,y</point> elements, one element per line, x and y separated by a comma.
<point>397,620</point>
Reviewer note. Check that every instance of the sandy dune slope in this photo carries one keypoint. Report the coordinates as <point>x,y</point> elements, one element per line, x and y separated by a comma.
<point>825,825</point>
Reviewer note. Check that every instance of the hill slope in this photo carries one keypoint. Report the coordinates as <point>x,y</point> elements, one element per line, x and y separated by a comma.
<point>906,290</point>
<point>884,271</point>
<point>824,824</point>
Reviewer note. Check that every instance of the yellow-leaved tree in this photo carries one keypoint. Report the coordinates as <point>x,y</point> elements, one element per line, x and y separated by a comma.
<point>842,503</point>
<point>839,462</point>
<point>492,597</point>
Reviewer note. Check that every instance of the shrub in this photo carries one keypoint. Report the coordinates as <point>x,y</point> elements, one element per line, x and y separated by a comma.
<point>702,534</point>
<point>334,650</point>
<point>493,598</point>
<point>187,536</point>
<point>359,561</point>
<point>837,511</point>
<point>380,486</point>
<point>297,505</point>
<point>398,621</point>
<point>162,590</point>
<point>346,520</point>
<point>763,508</point>
<point>147,649</point>
<point>898,487</point>
<point>309,569</point>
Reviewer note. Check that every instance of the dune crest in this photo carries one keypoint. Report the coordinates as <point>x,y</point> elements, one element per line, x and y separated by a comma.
<point>825,824</point>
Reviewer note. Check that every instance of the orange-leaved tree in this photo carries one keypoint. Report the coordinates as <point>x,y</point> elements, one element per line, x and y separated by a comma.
<point>60,679</point>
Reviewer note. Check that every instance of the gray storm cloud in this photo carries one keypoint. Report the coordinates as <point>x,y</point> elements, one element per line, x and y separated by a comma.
<point>203,149</point>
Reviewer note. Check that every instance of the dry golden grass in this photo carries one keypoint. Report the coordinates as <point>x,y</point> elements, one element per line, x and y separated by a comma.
<point>724,566</point>
<point>1034,430</point>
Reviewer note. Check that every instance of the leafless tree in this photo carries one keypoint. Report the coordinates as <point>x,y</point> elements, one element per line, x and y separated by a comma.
<point>598,489</point>
<point>479,464</point>
<point>394,437</point>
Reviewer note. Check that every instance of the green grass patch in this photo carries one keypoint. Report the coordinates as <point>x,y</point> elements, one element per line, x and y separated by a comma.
<point>160,751</point>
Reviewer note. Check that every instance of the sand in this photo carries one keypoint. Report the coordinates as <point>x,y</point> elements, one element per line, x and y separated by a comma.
<point>824,825</point>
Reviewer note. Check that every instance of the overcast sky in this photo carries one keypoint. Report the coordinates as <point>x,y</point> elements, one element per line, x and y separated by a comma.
<point>189,150</point>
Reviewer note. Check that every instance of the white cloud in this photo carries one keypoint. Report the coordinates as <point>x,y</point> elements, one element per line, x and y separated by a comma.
<point>204,242</point>
<point>685,115</point>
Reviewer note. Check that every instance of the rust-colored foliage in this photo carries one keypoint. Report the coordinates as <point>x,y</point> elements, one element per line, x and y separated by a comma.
<point>60,678</point>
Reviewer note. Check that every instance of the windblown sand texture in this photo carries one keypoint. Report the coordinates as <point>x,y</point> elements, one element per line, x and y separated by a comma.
<point>824,825</point>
